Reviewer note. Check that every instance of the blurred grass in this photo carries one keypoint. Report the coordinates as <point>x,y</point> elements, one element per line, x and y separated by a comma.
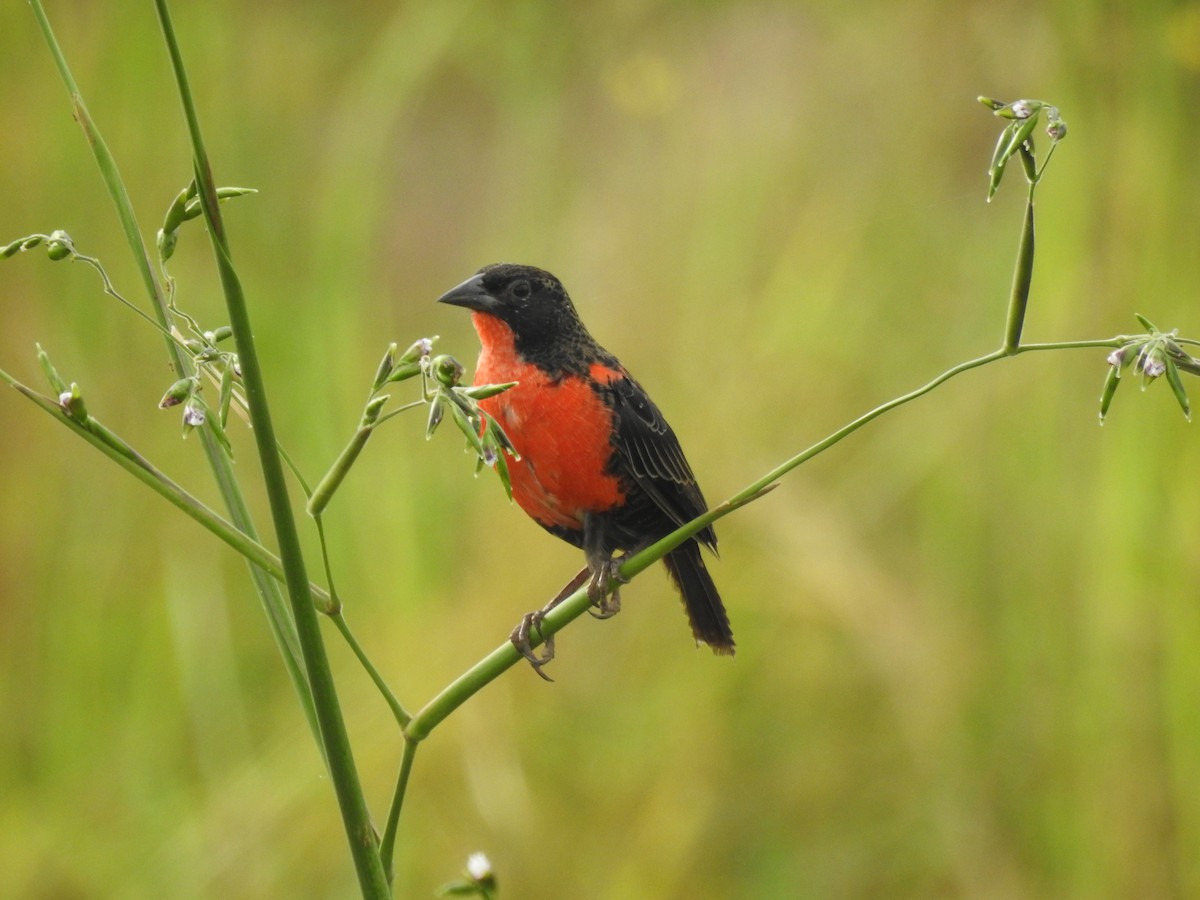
<point>968,648</point>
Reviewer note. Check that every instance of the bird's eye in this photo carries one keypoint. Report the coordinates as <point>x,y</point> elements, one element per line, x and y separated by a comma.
<point>521,290</point>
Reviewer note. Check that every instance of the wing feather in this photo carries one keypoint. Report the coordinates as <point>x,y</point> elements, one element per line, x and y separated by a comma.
<point>651,455</point>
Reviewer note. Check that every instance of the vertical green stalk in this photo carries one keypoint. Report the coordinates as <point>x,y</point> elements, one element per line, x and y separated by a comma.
<point>355,816</point>
<point>1022,280</point>
<point>278,617</point>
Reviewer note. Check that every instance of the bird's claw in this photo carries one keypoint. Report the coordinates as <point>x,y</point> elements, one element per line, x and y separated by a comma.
<point>521,638</point>
<point>606,605</point>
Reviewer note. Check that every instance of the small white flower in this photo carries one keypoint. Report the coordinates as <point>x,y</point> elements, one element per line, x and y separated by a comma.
<point>193,415</point>
<point>479,867</point>
<point>1154,367</point>
<point>1022,109</point>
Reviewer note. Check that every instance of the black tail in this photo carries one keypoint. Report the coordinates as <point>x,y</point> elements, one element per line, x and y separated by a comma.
<point>705,611</point>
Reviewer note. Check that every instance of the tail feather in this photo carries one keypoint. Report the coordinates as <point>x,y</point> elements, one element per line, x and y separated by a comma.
<point>705,611</point>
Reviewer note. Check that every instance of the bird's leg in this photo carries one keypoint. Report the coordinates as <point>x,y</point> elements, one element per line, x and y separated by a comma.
<point>603,568</point>
<point>532,621</point>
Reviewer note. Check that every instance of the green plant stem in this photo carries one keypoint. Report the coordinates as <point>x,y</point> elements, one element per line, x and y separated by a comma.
<point>402,715</point>
<point>107,164</point>
<point>342,770</point>
<point>319,498</point>
<point>120,452</point>
<point>334,611</point>
<point>1018,300</point>
<point>388,845</point>
<point>282,627</point>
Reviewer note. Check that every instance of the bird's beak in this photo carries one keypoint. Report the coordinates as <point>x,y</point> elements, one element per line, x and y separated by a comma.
<point>471,294</point>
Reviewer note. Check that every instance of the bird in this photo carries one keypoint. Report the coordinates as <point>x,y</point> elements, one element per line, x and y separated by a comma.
<point>596,463</point>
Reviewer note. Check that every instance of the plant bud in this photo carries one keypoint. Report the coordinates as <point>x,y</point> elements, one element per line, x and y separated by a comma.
<point>175,212</point>
<point>1056,127</point>
<point>446,369</point>
<point>1023,109</point>
<point>60,246</point>
<point>404,372</point>
<point>1111,383</point>
<point>437,408</point>
<point>51,373</point>
<point>166,241</point>
<point>1177,387</point>
<point>385,367</point>
<point>72,403</point>
<point>483,391</point>
<point>225,397</point>
<point>177,393</point>
<point>418,351</point>
<point>468,427</point>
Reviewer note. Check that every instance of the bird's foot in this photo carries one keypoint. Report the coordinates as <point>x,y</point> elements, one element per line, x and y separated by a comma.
<point>606,605</point>
<point>522,636</point>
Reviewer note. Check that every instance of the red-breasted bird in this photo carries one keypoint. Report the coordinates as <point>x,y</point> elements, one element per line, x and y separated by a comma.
<point>599,466</point>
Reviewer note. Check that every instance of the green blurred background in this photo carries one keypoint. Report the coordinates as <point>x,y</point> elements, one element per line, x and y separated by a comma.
<point>969,643</point>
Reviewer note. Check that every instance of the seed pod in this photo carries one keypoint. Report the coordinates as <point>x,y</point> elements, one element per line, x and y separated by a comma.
<point>177,393</point>
<point>1176,383</point>
<point>404,372</point>
<point>385,367</point>
<point>436,411</point>
<point>52,376</point>
<point>502,471</point>
<point>468,428</point>
<point>1111,383</point>
<point>225,398</point>
<point>446,369</point>
<point>418,350</point>
<point>483,391</point>
<point>72,403</point>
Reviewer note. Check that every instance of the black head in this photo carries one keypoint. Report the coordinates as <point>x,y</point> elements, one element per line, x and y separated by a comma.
<point>531,301</point>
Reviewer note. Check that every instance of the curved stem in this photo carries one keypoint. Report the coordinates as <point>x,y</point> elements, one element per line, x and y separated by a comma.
<point>387,846</point>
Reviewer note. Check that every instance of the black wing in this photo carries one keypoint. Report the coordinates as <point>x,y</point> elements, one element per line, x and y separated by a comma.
<point>650,453</point>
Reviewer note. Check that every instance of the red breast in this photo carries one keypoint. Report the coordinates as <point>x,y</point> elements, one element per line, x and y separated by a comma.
<point>562,429</point>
